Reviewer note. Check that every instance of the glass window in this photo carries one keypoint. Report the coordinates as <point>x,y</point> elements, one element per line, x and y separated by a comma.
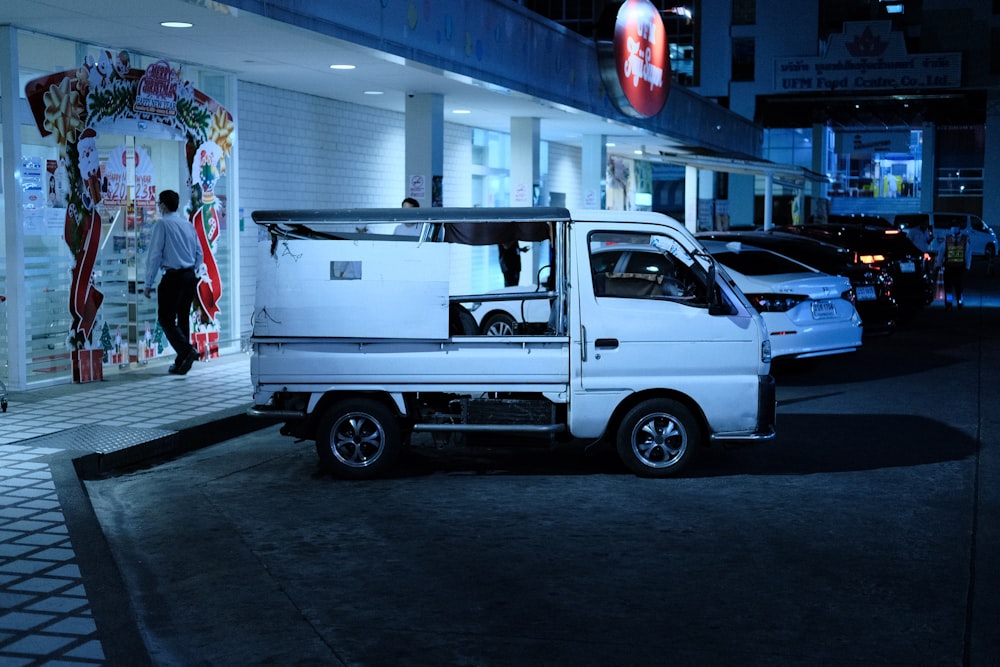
<point>744,12</point>
<point>644,267</point>
<point>758,263</point>
<point>743,59</point>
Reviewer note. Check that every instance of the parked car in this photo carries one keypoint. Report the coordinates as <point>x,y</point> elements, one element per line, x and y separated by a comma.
<point>982,238</point>
<point>887,250</point>
<point>512,313</point>
<point>808,313</point>
<point>873,297</point>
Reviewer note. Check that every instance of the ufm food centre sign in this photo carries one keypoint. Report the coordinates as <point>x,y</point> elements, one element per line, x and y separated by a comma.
<point>635,62</point>
<point>867,56</point>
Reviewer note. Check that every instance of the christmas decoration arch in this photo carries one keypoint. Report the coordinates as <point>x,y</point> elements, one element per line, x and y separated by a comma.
<point>105,94</point>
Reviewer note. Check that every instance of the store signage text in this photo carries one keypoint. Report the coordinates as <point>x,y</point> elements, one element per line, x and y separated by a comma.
<point>157,92</point>
<point>867,56</point>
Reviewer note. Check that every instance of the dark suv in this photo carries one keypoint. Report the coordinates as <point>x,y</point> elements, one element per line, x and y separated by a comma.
<point>889,251</point>
<point>872,287</point>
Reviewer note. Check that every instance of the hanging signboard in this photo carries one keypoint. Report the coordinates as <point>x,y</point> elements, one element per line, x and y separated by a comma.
<point>635,60</point>
<point>116,177</point>
<point>872,141</point>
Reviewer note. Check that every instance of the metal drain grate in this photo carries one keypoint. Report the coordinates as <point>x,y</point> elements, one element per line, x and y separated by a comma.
<point>100,439</point>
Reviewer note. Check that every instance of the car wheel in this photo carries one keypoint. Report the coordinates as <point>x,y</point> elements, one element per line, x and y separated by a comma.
<point>358,439</point>
<point>658,438</point>
<point>498,324</point>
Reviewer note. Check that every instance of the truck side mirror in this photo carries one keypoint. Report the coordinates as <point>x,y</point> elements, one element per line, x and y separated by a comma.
<point>717,305</point>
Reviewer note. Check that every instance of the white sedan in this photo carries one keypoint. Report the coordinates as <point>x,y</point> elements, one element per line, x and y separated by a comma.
<point>512,314</point>
<point>808,313</point>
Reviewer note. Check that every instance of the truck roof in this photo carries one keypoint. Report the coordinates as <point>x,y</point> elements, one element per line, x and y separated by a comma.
<point>469,226</point>
<point>316,218</point>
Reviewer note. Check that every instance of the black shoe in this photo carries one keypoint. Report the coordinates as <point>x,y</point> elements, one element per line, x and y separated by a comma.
<point>189,360</point>
<point>173,370</point>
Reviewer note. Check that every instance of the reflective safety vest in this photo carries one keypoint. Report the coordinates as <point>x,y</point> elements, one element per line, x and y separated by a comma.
<point>954,251</point>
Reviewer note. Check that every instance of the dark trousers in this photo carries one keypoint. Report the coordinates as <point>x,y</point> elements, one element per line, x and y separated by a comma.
<point>954,281</point>
<point>173,308</point>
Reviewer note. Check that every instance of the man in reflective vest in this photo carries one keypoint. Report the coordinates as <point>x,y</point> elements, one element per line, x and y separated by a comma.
<point>955,256</point>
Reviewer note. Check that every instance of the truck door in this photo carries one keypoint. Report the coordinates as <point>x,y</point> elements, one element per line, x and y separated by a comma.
<point>641,321</point>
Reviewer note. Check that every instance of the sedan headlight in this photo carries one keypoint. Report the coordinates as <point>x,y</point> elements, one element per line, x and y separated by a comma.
<point>775,303</point>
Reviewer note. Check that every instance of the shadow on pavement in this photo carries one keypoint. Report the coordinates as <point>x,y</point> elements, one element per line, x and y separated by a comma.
<point>810,443</point>
<point>806,444</point>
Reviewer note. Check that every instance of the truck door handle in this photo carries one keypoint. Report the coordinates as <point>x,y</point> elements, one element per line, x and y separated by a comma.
<point>606,343</point>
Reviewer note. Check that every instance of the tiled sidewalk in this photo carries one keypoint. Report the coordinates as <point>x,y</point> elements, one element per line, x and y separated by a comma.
<point>46,614</point>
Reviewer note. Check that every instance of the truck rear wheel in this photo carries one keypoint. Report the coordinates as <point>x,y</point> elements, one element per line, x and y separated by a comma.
<point>358,439</point>
<point>658,438</point>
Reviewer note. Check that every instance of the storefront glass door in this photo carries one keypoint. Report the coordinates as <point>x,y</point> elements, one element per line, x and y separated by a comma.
<point>133,170</point>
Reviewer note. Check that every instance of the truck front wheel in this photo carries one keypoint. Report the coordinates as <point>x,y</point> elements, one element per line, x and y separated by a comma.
<point>358,439</point>
<point>657,438</point>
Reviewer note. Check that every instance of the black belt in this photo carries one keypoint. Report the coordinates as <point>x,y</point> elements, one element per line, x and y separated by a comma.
<point>178,270</point>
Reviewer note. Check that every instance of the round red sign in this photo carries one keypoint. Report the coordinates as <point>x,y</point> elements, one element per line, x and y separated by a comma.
<point>642,57</point>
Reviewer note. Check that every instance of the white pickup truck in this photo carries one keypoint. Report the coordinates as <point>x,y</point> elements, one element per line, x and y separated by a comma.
<point>362,339</point>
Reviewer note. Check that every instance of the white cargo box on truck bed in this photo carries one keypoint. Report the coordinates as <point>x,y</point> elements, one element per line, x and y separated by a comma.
<point>357,288</point>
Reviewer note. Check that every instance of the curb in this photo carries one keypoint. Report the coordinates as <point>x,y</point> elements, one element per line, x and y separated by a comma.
<point>156,446</point>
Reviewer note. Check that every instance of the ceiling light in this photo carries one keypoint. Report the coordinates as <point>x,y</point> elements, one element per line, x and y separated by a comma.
<point>374,92</point>
<point>342,66</point>
<point>461,111</point>
<point>176,24</point>
<point>610,144</point>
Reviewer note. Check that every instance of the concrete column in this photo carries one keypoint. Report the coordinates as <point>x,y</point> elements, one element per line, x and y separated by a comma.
<point>425,148</point>
<point>14,219</point>
<point>928,168</point>
<point>821,147</point>
<point>706,195</point>
<point>691,198</point>
<point>594,164</point>
<point>768,200</point>
<point>525,147</point>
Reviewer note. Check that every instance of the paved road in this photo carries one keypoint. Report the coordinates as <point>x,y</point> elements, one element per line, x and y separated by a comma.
<point>866,534</point>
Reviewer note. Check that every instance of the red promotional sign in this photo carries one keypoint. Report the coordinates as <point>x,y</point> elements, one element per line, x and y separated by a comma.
<point>639,78</point>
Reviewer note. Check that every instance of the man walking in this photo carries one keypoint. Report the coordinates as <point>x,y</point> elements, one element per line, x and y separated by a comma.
<point>174,248</point>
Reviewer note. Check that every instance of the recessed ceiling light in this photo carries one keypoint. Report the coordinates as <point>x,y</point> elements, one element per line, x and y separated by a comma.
<point>610,144</point>
<point>374,92</point>
<point>176,24</point>
<point>342,66</point>
<point>462,111</point>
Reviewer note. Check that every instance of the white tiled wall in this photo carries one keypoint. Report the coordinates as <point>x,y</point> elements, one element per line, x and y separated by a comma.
<point>302,151</point>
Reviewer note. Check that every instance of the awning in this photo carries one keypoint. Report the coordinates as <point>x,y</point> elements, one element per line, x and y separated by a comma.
<point>735,163</point>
